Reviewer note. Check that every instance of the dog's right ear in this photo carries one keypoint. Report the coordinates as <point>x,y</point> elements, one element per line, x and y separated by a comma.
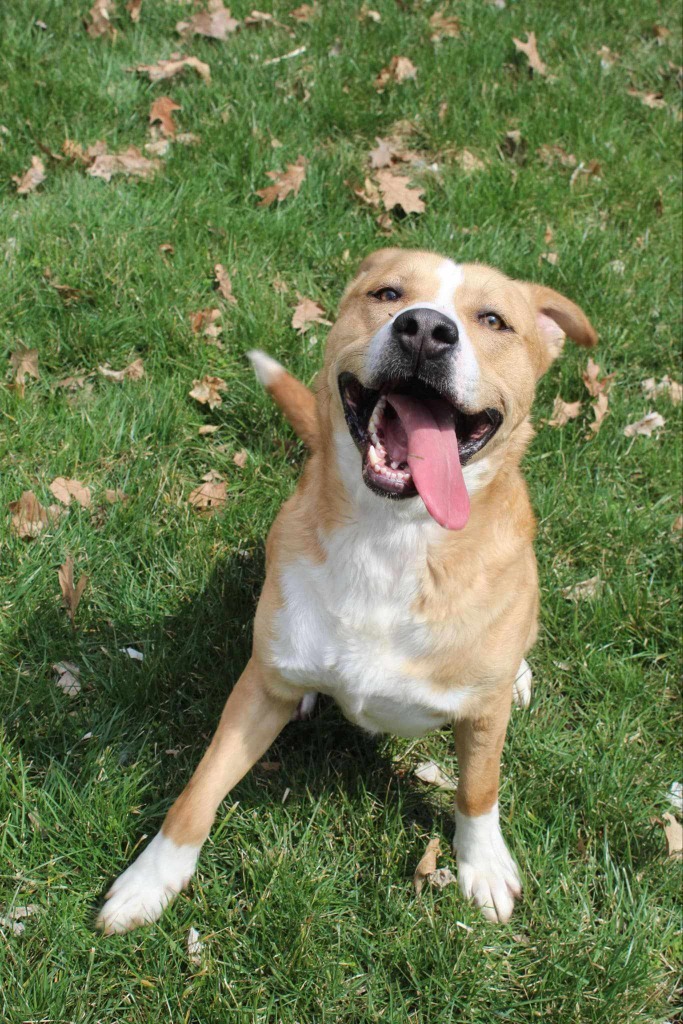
<point>557,317</point>
<point>372,261</point>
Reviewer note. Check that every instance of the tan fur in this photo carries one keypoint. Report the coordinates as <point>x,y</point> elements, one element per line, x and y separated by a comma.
<point>478,596</point>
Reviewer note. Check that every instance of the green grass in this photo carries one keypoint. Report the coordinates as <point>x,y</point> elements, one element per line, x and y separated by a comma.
<point>305,905</point>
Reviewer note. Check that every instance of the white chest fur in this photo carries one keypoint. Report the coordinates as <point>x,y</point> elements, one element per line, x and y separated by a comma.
<point>348,627</point>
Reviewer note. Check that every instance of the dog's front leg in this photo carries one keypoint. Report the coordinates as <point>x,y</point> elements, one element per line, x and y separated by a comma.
<point>251,720</point>
<point>487,874</point>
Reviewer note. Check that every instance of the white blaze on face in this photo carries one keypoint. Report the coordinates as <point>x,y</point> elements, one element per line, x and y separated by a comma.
<point>465,370</point>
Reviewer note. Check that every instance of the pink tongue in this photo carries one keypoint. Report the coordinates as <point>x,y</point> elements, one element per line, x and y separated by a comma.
<point>433,458</point>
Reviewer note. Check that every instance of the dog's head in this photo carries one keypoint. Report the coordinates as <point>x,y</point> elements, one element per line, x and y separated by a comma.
<point>431,370</point>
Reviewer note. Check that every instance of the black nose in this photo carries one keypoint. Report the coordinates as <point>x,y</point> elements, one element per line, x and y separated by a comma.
<point>424,333</point>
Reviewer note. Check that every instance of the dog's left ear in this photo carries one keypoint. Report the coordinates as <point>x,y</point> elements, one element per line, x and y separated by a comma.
<point>556,318</point>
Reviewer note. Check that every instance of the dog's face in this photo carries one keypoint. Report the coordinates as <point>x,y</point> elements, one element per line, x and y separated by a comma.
<point>432,366</point>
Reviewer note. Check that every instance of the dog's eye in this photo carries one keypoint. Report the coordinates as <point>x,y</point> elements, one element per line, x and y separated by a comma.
<point>493,321</point>
<point>386,294</point>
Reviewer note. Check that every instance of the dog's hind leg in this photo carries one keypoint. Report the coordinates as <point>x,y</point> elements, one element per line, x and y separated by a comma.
<point>251,720</point>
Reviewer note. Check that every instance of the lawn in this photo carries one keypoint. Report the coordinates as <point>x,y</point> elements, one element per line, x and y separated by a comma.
<point>304,900</point>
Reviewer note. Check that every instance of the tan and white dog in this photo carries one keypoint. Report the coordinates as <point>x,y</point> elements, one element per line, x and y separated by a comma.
<point>401,577</point>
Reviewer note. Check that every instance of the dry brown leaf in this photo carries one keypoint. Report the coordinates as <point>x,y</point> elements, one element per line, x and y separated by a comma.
<point>207,391</point>
<point>549,257</point>
<point>607,57</point>
<point>563,412</point>
<point>530,51</point>
<point>257,18</point>
<point>240,458</point>
<point>113,495</point>
<point>654,100</point>
<point>584,590</point>
<point>71,383</point>
<point>443,26</point>
<point>204,322</point>
<point>441,878</point>
<point>677,525</point>
<point>645,427</point>
<point>365,14</point>
<point>162,112</point>
<point>661,34</point>
<point>223,283</point>
<point>134,7</point>
<point>30,179</point>
<point>194,947</point>
<point>468,162</point>
<point>208,428</point>
<point>100,16</point>
<point>211,495</point>
<point>395,191</point>
<point>135,371</point>
<point>67,293</point>
<point>158,147</point>
<point>673,830</point>
<point>214,23</point>
<point>550,154</point>
<point>168,68</point>
<point>68,677</point>
<point>430,773</point>
<point>399,69</point>
<point>130,162</point>
<point>426,865</point>
<point>600,411</point>
<point>71,592</point>
<point>666,386</point>
<point>595,384</point>
<point>74,151</point>
<point>29,517</point>
<point>24,362</point>
<point>306,313</point>
<point>383,155</point>
<point>280,286</point>
<point>304,13</point>
<point>13,920</point>
<point>285,182</point>
<point>65,489</point>
<point>593,169</point>
<point>514,146</point>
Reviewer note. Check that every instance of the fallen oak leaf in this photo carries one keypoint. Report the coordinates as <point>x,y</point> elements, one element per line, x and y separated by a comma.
<point>583,590</point>
<point>468,162</point>
<point>442,26</point>
<point>71,592</point>
<point>653,100</point>
<point>24,362</point>
<point>593,169</point>
<point>399,70</point>
<point>383,155</point>
<point>645,427</point>
<point>114,495</point>
<point>194,947</point>
<point>135,371</point>
<point>530,51</point>
<point>441,878</point>
<point>100,15</point>
<point>65,489</point>
<point>210,496</point>
<point>74,151</point>
<point>304,13</point>
<point>257,18</point>
<point>426,865</point>
<point>204,322</point>
<point>162,113</point>
<point>68,677</point>
<point>207,391</point>
<point>673,830</point>
<point>14,918</point>
<point>563,412</point>
<point>134,7</point>
<point>306,313</point>
<point>666,386</point>
<point>30,179</point>
<point>215,23</point>
<point>600,411</point>
<point>68,294</point>
<point>430,773</point>
<point>208,428</point>
<point>130,162</point>
<point>285,182</point>
<point>168,68</point>
<point>240,458</point>
<point>223,283</point>
<point>29,517</point>
<point>595,385</point>
<point>548,155</point>
<point>395,191</point>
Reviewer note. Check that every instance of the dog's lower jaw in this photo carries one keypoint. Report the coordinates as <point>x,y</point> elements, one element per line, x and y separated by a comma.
<point>141,894</point>
<point>487,874</point>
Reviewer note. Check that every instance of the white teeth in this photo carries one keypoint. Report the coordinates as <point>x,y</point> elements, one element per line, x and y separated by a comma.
<point>394,465</point>
<point>373,457</point>
<point>374,437</point>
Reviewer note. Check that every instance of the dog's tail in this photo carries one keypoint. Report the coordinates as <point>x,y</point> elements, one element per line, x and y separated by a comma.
<point>294,398</point>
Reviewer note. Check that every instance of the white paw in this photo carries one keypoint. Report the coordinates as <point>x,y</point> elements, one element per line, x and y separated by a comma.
<point>521,688</point>
<point>487,874</point>
<point>304,708</point>
<point>141,893</point>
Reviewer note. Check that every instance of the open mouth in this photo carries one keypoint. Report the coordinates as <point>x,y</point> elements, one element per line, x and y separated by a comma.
<point>414,440</point>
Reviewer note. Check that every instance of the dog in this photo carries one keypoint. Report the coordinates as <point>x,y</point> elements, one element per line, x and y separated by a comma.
<point>400,576</point>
